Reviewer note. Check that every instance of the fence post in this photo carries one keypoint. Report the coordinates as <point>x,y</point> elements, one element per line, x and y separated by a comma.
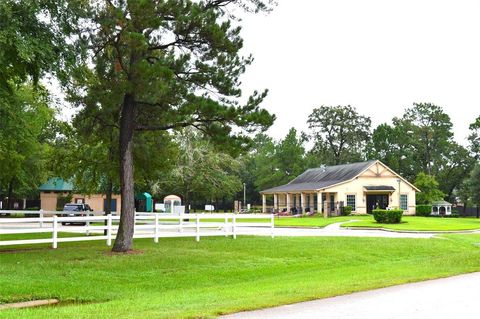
<point>87,224</point>
<point>109,230</point>
<point>197,224</point>
<point>41,218</point>
<point>156,229</point>
<point>226,226</point>
<point>272,225</point>
<point>55,230</point>
<point>234,226</point>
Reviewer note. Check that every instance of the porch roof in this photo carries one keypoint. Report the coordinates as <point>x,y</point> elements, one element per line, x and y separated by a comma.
<point>300,187</point>
<point>379,188</point>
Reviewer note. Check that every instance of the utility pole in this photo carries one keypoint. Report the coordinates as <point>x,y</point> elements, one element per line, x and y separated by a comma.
<point>244,195</point>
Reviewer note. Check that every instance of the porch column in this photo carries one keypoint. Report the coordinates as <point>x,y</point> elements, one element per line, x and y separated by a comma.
<point>275,202</point>
<point>326,208</point>
<point>264,203</point>
<point>302,202</point>
<point>288,202</point>
<point>319,202</point>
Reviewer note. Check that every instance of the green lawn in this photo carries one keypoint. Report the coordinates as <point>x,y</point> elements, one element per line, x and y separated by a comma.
<point>180,278</point>
<point>421,223</point>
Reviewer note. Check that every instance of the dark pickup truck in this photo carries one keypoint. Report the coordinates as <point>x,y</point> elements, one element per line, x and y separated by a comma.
<point>75,210</point>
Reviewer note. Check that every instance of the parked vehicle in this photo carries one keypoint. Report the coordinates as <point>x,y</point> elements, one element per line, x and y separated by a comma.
<point>76,210</point>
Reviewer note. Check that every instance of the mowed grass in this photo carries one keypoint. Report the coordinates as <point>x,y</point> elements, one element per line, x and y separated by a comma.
<point>415,223</point>
<point>180,278</point>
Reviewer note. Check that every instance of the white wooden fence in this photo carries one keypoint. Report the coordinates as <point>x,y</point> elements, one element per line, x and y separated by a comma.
<point>147,225</point>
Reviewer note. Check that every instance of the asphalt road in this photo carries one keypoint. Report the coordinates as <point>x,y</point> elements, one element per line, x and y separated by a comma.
<point>454,297</point>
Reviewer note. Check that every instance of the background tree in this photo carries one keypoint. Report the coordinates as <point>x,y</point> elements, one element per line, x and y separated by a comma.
<point>473,186</point>
<point>474,138</point>
<point>422,141</point>
<point>429,189</point>
<point>290,156</point>
<point>201,173</point>
<point>264,166</point>
<point>391,146</point>
<point>340,134</point>
<point>25,123</point>
<point>276,163</point>
<point>32,44</point>
<point>177,65</point>
<point>454,167</point>
<point>430,134</point>
<point>27,43</point>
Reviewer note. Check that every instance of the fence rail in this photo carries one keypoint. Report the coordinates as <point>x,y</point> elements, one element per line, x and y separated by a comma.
<point>147,225</point>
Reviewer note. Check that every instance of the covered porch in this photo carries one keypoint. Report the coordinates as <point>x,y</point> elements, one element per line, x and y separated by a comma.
<point>304,202</point>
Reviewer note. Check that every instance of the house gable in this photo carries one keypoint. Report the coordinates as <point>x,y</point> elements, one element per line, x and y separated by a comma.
<point>380,170</point>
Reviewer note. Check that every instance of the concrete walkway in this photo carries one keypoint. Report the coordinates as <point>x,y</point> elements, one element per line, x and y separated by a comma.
<point>334,230</point>
<point>454,297</point>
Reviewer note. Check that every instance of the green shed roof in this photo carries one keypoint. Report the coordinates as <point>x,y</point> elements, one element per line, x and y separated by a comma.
<point>56,184</point>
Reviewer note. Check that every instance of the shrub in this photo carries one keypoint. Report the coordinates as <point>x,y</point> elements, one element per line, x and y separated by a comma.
<point>384,216</point>
<point>423,210</point>
<point>347,210</point>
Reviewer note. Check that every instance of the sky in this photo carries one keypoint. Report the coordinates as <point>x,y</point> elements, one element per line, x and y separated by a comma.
<point>379,56</point>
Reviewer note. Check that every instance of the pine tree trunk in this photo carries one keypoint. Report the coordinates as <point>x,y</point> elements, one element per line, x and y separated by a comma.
<point>123,242</point>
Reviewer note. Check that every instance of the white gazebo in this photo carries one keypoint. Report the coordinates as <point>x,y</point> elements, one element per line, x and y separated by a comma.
<point>172,202</point>
<point>441,207</point>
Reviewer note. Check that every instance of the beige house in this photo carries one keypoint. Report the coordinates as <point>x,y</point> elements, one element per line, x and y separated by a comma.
<point>56,188</point>
<point>363,186</point>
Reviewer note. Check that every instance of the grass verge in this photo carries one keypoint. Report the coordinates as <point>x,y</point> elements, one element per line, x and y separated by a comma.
<point>180,278</point>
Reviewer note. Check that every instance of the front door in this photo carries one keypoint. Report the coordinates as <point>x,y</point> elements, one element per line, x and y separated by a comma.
<point>376,201</point>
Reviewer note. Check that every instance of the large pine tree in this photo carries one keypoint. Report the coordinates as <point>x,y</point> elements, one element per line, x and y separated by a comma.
<point>168,65</point>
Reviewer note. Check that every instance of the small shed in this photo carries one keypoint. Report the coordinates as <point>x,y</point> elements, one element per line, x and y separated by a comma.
<point>441,207</point>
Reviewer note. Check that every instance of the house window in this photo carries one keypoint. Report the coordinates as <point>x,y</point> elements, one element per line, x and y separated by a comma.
<point>351,201</point>
<point>404,202</point>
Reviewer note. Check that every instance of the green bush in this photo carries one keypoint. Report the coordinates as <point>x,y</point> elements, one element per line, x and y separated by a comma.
<point>347,210</point>
<point>423,210</point>
<point>384,216</point>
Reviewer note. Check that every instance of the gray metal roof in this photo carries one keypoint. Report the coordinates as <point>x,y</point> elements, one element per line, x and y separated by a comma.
<point>322,177</point>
